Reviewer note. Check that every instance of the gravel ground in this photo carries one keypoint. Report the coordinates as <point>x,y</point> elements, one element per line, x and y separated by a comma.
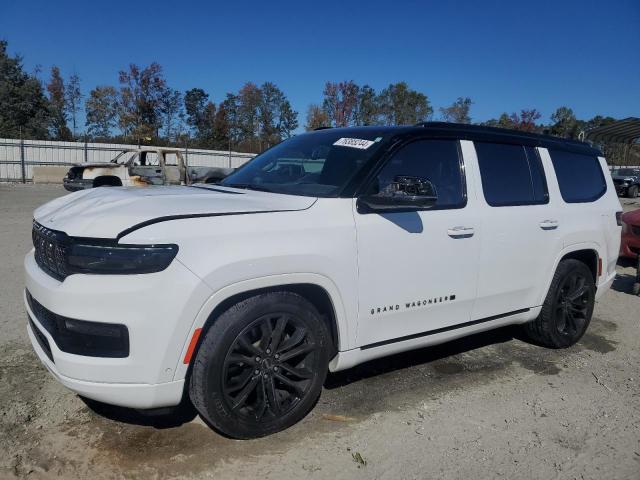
<point>487,406</point>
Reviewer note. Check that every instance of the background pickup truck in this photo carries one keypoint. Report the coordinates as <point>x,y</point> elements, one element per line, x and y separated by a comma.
<point>141,167</point>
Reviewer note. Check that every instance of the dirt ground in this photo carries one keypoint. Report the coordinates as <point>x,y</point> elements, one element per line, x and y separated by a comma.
<point>489,406</point>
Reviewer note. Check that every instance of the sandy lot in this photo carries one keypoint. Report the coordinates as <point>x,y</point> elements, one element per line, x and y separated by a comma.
<point>488,406</point>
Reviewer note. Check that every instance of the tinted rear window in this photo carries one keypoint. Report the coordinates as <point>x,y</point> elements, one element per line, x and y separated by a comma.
<point>579,176</point>
<point>511,174</point>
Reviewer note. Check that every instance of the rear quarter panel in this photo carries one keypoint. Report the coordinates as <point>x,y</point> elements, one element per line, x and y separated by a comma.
<point>588,226</point>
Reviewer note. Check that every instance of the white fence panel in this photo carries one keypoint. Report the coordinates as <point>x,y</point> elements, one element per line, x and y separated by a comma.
<point>16,155</point>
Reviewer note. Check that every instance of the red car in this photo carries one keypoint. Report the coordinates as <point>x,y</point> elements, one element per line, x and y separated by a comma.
<point>630,246</point>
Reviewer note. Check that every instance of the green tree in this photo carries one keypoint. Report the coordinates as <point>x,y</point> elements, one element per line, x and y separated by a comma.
<point>400,105</point>
<point>195,101</point>
<point>230,105</point>
<point>101,109</point>
<point>458,111</point>
<point>24,109</point>
<point>288,119</point>
<point>316,118</point>
<point>221,129</point>
<point>504,121</point>
<point>171,113</point>
<point>248,117</point>
<point>271,98</point>
<point>367,109</point>
<point>277,117</point>
<point>73,100</point>
<point>57,106</point>
<point>565,123</point>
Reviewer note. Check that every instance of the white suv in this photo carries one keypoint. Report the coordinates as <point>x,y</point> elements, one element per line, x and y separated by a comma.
<point>330,249</point>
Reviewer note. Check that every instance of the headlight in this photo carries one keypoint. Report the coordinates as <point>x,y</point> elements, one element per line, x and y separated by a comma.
<point>119,259</point>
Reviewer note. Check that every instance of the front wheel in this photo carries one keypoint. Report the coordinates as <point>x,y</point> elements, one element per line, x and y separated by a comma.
<point>261,365</point>
<point>567,309</point>
<point>632,192</point>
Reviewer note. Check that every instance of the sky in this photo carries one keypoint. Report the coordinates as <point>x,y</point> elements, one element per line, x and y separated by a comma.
<point>504,55</point>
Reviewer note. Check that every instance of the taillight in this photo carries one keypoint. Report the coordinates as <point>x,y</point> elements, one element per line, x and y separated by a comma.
<point>619,218</point>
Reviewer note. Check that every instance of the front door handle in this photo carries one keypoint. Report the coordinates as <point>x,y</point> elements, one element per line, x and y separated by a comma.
<point>549,224</point>
<point>460,232</point>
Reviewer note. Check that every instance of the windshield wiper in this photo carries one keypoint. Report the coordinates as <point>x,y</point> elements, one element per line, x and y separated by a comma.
<point>247,186</point>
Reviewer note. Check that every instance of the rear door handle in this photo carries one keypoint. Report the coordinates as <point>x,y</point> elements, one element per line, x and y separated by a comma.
<point>549,224</point>
<point>460,232</point>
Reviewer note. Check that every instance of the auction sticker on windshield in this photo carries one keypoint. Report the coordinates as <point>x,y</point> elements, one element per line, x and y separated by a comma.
<point>354,143</point>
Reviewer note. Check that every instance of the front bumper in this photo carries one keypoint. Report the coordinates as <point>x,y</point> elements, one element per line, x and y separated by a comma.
<point>158,310</point>
<point>132,395</point>
<point>73,185</point>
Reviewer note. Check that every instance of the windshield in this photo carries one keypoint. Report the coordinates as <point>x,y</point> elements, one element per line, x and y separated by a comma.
<point>318,164</point>
<point>626,171</point>
<point>123,157</point>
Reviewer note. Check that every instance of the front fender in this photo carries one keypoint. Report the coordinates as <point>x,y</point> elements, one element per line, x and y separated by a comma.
<point>344,337</point>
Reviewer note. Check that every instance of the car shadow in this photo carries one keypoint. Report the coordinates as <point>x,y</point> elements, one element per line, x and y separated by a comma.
<point>424,355</point>
<point>624,282</point>
<point>159,418</point>
<point>172,417</point>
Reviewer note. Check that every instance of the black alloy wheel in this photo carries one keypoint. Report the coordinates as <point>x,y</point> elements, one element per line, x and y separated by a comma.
<point>567,308</point>
<point>269,368</point>
<point>573,304</point>
<point>261,365</point>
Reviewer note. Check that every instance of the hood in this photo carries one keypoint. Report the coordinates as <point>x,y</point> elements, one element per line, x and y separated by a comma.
<point>107,212</point>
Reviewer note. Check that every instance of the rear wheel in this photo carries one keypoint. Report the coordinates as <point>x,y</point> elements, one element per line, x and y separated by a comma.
<point>567,309</point>
<point>261,365</point>
<point>632,192</point>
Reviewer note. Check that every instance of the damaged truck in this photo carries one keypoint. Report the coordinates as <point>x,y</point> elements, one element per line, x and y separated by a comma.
<point>139,167</point>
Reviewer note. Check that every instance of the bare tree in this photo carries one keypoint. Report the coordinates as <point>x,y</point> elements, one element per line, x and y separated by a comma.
<point>73,99</point>
<point>340,102</point>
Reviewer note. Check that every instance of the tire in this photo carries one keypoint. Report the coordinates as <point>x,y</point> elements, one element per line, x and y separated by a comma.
<point>247,381</point>
<point>632,192</point>
<point>567,309</point>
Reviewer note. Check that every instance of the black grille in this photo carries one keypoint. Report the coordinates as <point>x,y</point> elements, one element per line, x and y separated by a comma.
<point>50,250</point>
<point>635,229</point>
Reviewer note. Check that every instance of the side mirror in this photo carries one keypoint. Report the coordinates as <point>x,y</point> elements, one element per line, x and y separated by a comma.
<point>404,194</point>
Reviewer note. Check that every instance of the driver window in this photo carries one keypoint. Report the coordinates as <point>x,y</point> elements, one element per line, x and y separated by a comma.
<point>434,160</point>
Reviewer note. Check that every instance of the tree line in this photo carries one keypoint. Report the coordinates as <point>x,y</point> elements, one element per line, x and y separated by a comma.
<point>142,107</point>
